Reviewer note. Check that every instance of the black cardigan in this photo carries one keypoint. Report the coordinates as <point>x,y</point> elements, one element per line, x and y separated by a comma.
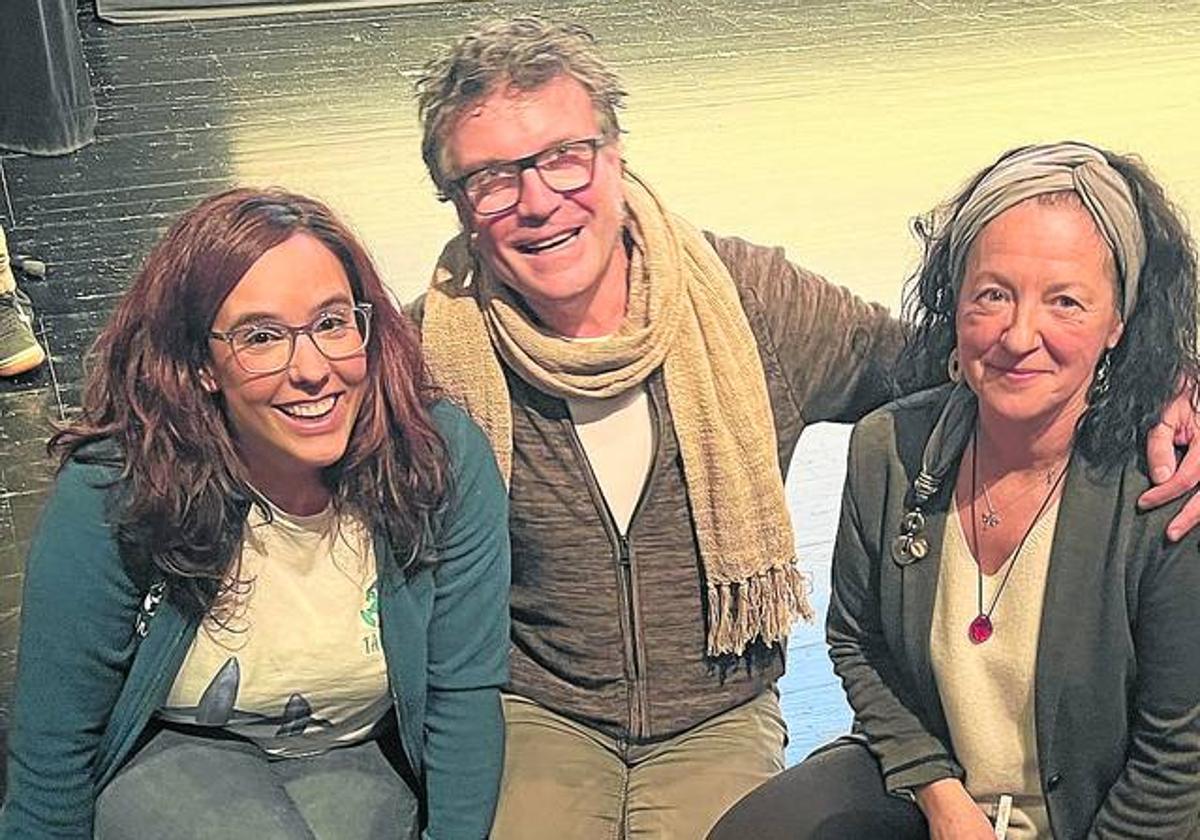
<point>1117,685</point>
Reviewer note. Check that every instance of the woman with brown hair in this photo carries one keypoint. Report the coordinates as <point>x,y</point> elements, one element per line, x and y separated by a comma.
<point>268,595</point>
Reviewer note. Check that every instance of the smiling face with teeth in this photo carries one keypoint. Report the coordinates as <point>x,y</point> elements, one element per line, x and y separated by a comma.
<point>289,425</point>
<point>563,253</point>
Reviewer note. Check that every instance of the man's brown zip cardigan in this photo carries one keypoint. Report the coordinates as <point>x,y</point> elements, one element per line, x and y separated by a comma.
<point>610,631</point>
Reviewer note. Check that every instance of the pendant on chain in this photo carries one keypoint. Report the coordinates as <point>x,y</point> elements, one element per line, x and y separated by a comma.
<point>980,630</point>
<point>989,518</point>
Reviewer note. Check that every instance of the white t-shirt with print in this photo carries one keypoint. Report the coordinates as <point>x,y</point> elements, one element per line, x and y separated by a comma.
<point>297,667</point>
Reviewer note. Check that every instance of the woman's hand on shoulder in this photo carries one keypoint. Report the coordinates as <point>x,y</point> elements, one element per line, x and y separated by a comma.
<point>951,812</point>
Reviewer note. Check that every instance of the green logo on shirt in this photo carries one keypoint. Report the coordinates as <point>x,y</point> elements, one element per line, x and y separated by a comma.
<point>370,614</point>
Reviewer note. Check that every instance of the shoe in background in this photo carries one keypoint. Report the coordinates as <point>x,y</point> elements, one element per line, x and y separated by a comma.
<point>19,348</point>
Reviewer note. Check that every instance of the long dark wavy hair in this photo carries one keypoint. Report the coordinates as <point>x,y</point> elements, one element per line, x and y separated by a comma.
<point>184,491</point>
<point>1157,349</point>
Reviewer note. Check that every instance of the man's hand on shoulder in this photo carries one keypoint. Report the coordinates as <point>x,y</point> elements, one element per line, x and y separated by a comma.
<point>1179,426</point>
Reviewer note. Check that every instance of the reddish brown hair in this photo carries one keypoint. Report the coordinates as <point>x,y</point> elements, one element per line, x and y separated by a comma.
<point>184,491</point>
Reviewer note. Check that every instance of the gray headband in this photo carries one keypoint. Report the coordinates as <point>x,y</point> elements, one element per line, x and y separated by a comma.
<point>1055,168</point>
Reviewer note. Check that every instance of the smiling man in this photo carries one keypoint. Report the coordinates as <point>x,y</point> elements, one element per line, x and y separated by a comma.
<point>565,259</point>
<point>643,385</point>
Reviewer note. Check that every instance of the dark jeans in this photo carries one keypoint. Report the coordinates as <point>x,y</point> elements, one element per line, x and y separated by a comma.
<point>192,787</point>
<point>834,794</point>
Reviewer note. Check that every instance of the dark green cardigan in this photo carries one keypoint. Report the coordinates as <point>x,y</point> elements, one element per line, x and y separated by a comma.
<point>87,684</point>
<point>1117,680</point>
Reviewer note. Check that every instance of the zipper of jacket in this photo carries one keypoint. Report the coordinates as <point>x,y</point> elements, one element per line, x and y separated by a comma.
<point>633,667</point>
<point>642,702</point>
<point>626,597</point>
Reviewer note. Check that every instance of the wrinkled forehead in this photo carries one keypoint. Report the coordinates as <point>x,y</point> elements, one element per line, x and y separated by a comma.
<point>1050,236</point>
<point>1035,213</point>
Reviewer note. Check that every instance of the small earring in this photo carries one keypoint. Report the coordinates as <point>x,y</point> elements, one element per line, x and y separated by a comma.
<point>1100,379</point>
<point>953,368</point>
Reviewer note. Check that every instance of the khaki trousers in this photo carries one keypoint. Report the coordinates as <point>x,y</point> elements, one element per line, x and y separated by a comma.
<point>563,780</point>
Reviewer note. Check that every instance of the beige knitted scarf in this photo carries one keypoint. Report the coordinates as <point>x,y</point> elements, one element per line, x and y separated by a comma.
<point>684,315</point>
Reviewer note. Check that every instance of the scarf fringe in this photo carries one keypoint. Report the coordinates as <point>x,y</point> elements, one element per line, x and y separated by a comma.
<point>764,606</point>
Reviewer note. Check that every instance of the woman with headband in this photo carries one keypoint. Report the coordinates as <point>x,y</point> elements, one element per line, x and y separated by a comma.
<point>1019,644</point>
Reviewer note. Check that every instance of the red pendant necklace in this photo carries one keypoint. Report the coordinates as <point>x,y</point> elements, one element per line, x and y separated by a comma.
<point>981,629</point>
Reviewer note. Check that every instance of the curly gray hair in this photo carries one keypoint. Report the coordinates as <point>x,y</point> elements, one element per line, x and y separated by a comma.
<point>524,52</point>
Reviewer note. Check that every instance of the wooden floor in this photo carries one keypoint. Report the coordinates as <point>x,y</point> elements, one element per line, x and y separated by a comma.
<point>819,125</point>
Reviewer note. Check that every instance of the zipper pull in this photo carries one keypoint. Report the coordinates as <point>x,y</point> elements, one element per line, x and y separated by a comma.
<point>624,548</point>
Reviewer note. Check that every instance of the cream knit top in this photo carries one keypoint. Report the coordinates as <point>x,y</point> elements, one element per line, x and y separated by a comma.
<point>987,690</point>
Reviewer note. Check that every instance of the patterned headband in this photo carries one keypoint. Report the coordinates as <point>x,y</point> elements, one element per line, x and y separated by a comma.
<point>1055,168</point>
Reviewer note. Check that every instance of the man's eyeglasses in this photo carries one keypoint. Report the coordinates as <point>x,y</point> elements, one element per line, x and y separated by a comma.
<point>564,167</point>
<point>339,332</point>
